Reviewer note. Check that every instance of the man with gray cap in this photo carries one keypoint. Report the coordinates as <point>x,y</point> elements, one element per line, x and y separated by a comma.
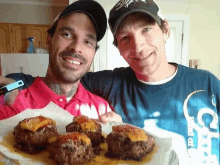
<point>72,43</point>
<point>168,99</point>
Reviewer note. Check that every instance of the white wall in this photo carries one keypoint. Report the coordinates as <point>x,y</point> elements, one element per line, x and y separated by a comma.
<point>33,64</point>
<point>29,14</point>
<point>204,29</point>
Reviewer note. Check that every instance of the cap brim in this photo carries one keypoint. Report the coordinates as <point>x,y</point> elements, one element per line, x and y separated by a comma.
<point>156,18</point>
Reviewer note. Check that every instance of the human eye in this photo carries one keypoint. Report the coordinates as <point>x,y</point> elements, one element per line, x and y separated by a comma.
<point>90,43</point>
<point>66,35</point>
<point>124,39</point>
<point>146,29</point>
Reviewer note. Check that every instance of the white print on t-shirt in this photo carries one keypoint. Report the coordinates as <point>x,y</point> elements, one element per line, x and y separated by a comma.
<point>202,154</point>
<point>91,111</point>
<point>177,141</point>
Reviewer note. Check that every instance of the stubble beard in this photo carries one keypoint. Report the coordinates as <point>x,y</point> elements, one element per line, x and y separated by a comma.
<point>150,70</point>
<point>64,75</point>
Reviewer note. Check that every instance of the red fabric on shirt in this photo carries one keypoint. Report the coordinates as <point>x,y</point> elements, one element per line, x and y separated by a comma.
<point>38,95</point>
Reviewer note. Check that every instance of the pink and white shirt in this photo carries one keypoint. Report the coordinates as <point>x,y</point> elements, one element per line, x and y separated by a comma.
<point>38,95</point>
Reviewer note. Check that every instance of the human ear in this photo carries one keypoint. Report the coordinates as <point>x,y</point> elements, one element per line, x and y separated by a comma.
<point>166,30</point>
<point>48,41</point>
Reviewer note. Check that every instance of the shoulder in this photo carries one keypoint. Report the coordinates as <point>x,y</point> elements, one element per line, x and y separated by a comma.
<point>89,97</point>
<point>199,75</point>
<point>105,78</point>
<point>107,73</point>
<point>123,70</point>
<point>197,72</point>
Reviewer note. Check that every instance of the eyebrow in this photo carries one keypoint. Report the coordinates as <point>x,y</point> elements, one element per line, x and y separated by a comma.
<point>146,24</point>
<point>66,28</point>
<point>90,36</point>
<point>120,32</point>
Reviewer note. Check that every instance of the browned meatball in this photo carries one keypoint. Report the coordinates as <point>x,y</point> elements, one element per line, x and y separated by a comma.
<point>91,128</point>
<point>71,149</point>
<point>30,141</point>
<point>123,144</point>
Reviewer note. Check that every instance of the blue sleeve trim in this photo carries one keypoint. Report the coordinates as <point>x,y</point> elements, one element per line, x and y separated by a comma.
<point>26,78</point>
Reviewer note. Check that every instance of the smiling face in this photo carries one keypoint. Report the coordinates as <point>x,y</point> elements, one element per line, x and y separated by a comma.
<point>72,47</point>
<point>141,42</point>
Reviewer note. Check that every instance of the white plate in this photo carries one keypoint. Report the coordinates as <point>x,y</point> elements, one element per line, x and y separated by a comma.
<point>163,156</point>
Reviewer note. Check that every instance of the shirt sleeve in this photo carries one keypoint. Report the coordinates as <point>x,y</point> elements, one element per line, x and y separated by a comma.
<point>26,78</point>
<point>21,103</point>
<point>6,111</point>
<point>99,83</point>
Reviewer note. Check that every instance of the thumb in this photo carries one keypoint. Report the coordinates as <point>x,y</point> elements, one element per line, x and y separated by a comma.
<point>102,109</point>
<point>10,97</point>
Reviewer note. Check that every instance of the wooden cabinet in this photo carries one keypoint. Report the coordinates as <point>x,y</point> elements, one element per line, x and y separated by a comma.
<point>5,45</point>
<point>14,37</point>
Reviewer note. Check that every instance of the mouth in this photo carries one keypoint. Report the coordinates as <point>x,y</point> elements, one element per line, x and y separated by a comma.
<point>143,57</point>
<point>148,55</point>
<point>72,61</point>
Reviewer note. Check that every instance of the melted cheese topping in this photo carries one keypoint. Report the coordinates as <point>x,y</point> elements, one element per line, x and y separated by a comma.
<point>52,139</point>
<point>86,124</point>
<point>34,123</point>
<point>134,133</point>
<point>75,136</point>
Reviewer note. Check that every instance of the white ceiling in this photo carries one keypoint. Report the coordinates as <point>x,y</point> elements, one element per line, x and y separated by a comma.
<point>38,2</point>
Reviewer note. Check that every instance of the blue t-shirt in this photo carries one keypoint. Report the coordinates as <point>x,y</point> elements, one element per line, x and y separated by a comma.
<point>187,108</point>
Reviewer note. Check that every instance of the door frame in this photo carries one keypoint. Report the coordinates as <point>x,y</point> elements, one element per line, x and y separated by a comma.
<point>186,31</point>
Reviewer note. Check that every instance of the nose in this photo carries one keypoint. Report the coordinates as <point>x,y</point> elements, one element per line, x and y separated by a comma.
<point>138,44</point>
<point>76,46</point>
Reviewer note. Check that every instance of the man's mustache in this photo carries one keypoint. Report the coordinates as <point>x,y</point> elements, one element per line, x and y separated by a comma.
<point>75,55</point>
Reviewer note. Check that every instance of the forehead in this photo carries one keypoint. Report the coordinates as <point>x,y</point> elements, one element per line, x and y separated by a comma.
<point>77,20</point>
<point>134,18</point>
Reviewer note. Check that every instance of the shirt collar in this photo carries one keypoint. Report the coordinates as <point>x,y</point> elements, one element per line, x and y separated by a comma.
<point>161,81</point>
<point>42,94</point>
<point>82,94</point>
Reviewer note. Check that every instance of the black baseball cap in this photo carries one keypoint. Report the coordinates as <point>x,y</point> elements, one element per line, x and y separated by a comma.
<point>93,9</point>
<point>126,7</point>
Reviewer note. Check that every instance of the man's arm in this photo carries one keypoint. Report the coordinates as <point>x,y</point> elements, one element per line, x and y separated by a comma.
<point>88,82</point>
<point>99,83</point>
<point>10,97</point>
<point>26,78</point>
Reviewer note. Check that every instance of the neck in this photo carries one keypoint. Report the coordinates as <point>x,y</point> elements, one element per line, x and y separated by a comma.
<point>69,90</point>
<point>162,72</point>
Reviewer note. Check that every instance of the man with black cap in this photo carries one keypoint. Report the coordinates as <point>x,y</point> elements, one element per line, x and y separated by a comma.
<point>168,99</point>
<point>72,44</point>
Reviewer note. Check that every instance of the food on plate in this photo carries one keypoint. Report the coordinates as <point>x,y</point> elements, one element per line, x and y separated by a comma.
<point>129,142</point>
<point>32,134</point>
<point>71,148</point>
<point>91,128</point>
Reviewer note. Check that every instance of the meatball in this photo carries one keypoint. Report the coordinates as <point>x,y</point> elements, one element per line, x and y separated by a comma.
<point>71,149</point>
<point>91,128</point>
<point>33,142</point>
<point>129,143</point>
